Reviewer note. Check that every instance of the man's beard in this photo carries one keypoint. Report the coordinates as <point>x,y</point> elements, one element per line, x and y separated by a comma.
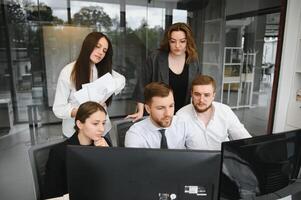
<point>201,110</point>
<point>163,124</point>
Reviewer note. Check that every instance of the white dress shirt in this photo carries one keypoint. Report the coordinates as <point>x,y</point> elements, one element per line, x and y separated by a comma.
<point>223,126</point>
<point>65,101</point>
<point>145,134</point>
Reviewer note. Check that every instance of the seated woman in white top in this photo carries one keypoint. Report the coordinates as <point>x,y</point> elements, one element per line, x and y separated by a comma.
<point>94,60</point>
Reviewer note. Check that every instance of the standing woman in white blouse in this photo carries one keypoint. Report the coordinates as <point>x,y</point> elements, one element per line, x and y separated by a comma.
<point>94,60</point>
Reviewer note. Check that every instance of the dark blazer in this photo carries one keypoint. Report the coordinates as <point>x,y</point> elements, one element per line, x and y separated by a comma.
<point>56,174</point>
<point>157,69</point>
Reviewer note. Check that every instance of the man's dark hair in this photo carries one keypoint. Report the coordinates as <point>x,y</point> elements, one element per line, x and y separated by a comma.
<point>156,89</point>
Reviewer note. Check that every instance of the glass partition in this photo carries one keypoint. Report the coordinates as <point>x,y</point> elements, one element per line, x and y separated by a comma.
<point>249,64</point>
<point>236,41</point>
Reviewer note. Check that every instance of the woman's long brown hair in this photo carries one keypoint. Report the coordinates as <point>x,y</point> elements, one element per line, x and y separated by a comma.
<point>81,71</point>
<point>191,51</point>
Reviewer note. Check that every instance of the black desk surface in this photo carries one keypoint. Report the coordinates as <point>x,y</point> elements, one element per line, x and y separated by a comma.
<point>293,190</point>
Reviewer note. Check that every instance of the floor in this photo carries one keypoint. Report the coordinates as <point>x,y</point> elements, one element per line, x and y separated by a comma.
<point>16,179</point>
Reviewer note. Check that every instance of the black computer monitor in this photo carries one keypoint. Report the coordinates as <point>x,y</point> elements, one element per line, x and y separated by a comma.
<point>259,166</point>
<point>136,174</point>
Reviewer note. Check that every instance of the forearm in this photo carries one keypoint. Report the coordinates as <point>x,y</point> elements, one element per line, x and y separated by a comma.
<point>62,107</point>
<point>140,107</point>
<point>238,132</point>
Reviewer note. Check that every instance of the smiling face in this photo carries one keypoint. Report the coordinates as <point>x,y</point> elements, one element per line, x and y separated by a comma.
<point>93,127</point>
<point>99,51</point>
<point>177,43</point>
<point>161,110</point>
<point>202,97</point>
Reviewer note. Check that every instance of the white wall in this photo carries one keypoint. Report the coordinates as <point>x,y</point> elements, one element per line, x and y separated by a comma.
<point>288,61</point>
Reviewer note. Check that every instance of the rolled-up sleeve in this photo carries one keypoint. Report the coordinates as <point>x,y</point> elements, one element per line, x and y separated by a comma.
<point>236,129</point>
<point>61,107</point>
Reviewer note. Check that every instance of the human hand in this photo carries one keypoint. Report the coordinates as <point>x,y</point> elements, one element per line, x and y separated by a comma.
<point>135,116</point>
<point>101,143</point>
<point>73,112</point>
<point>138,115</point>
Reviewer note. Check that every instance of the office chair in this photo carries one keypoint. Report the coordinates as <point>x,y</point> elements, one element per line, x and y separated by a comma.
<point>38,156</point>
<point>268,72</point>
<point>122,127</point>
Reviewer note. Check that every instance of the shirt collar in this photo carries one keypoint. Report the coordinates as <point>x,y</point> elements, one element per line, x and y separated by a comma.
<point>213,110</point>
<point>152,126</point>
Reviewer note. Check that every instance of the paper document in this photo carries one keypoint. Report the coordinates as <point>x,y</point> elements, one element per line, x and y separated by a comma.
<point>99,90</point>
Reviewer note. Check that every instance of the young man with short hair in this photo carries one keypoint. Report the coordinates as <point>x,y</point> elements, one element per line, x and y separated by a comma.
<point>161,129</point>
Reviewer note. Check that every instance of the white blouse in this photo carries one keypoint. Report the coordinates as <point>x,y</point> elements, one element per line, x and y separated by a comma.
<point>65,101</point>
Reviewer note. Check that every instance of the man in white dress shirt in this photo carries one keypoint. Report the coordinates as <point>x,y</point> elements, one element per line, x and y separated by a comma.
<point>211,122</point>
<point>161,129</point>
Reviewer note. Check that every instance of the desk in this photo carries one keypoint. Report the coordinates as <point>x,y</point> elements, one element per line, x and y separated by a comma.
<point>291,192</point>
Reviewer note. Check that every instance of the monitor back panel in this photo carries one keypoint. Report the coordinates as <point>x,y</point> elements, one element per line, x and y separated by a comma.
<point>148,174</point>
<point>260,166</point>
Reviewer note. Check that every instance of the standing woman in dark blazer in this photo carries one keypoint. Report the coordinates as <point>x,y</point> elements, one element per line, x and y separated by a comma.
<point>174,63</point>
